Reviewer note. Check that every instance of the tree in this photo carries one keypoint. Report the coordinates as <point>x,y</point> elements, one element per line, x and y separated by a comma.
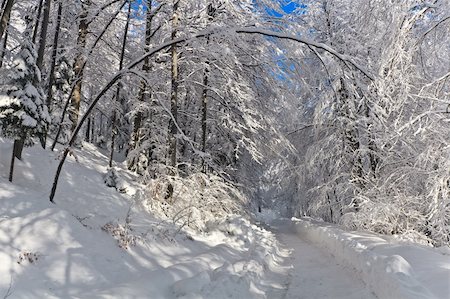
<point>5,15</point>
<point>23,114</point>
<point>172,153</point>
<point>78,65</point>
<point>118,117</point>
<point>372,161</point>
<point>43,34</point>
<point>51,76</point>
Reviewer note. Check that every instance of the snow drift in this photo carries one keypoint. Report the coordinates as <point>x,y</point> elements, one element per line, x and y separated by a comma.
<point>391,270</point>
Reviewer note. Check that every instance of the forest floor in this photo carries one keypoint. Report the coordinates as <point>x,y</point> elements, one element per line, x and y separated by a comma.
<point>96,242</point>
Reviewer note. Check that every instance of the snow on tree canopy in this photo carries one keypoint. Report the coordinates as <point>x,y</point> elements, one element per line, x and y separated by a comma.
<point>23,113</point>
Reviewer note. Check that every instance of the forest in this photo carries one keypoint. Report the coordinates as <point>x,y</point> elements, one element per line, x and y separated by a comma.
<point>338,110</point>
<point>355,115</point>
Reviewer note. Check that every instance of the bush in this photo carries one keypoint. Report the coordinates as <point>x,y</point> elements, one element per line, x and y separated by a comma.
<point>193,201</point>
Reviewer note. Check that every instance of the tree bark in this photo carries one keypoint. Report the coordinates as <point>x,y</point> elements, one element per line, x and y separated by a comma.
<point>38,20</point>
<point>4,17</point>
<point>11,167</point>
<point>88,130</point>
<point>43,36</point>
<point>211,13</point>
<point>51,78</point>
<point>174,93</point>
<point>4,45</point>
<point>92,139</point>
<point>78,65</point>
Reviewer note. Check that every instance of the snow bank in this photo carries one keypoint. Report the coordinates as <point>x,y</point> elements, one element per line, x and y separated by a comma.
<point>391,270</point>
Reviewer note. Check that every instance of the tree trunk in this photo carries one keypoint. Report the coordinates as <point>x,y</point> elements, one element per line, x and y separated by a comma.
<point>78,65</point>
<point>18,148</point>
<point>38,20</point>
<point>211,13</point>
<point>63,115</point>
<point>4,17</point>
<point>43,36</point>
<point>205,109</point>
<point>117,97</point>
<point>11,167</point>
<point>174,93</point>
<point>51,78</point>
<point>92,139</point>
<point>88,130</point>
<point>4,45</point>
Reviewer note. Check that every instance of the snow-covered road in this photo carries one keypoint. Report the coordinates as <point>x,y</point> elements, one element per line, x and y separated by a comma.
<point>315,273</point>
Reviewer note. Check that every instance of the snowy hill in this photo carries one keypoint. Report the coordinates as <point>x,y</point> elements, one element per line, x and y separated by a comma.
<point>68,250</point>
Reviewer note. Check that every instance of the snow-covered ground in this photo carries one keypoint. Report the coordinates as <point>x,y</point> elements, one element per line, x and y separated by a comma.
<point>390,268</point>
<point>99,243</point>
<point>72,249</point>
<point>316,274</point>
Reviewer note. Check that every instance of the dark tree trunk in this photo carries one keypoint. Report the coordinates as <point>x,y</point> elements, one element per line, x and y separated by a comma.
<point>88,130</point>
<point>92,139</point>
<point>43,35</point>
<point>5,15</point>
<point>18,148</point>
<point>211,13</point>
<point>38,20</point>
<point>11,167</point>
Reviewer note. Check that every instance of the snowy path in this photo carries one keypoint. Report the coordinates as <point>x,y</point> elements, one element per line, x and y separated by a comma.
<point>315,273</point>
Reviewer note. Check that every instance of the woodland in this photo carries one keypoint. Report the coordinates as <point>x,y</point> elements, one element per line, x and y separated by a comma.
<point>334,109</point>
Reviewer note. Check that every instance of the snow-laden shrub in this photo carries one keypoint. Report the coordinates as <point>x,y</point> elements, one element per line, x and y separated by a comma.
<point>122,233</point>
<point>112,179</point>
<point>193,201</point>
<point>438,199</point>
<point>391,217</point>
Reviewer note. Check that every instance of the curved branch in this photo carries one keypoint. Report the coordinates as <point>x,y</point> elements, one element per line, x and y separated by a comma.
<point>344,58</point>
<point>167,44</point>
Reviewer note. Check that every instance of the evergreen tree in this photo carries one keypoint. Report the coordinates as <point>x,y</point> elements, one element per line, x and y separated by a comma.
<point>23,114</point>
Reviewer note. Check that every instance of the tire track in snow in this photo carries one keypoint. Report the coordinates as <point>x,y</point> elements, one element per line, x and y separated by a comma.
<point>315,273</point>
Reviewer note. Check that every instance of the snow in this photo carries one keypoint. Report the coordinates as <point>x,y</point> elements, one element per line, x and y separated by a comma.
<point>390,268</point>
<point>97,242</point>
<point>318,274</point>
<point>68,250</point>
<point>6,101</point>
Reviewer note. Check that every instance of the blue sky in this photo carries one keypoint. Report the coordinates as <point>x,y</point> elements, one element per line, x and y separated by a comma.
<point>287,7</point>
